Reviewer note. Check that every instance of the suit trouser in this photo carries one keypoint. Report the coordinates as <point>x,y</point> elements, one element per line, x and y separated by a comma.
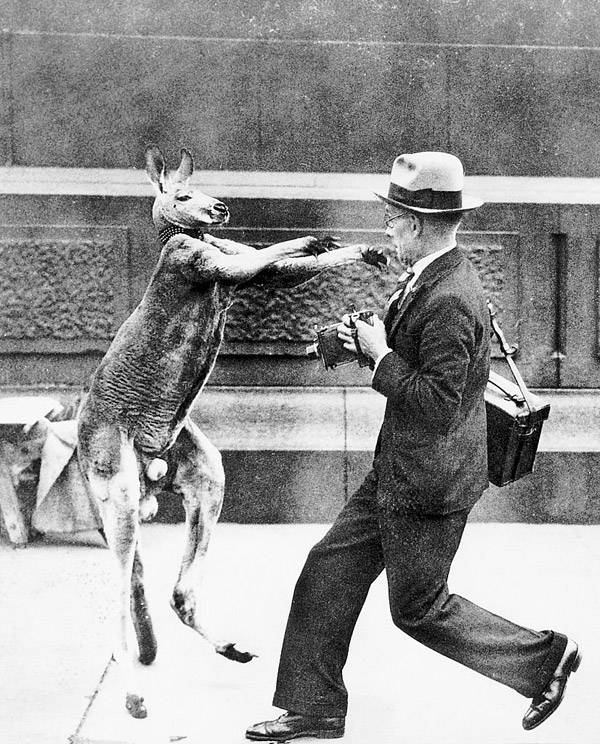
<point>416,551</point>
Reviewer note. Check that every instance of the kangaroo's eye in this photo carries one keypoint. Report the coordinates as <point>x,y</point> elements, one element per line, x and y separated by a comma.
<point>183,197</point>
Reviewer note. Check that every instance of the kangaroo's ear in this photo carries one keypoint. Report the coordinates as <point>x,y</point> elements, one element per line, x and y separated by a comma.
<point>156,167</point>
<point>186,167</point>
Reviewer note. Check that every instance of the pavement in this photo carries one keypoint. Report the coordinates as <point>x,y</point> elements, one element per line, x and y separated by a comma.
<point>58,620</point>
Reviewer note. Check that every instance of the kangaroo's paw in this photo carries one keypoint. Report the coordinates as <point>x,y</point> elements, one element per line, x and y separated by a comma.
<point>135,706</point>
<point>229,651</point>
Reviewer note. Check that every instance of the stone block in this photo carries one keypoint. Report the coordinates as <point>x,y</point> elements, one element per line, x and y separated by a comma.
<point>99,100</point>
<point>579,300</point>
<point>273,419</point>
<point>537,119</point>
<point>268,487</point>
<point>552,22</point>
<point>562,489</point>
<point>6,134</point>
<point>240,104</point>
<point>351,107</point>
<point>64,288</point>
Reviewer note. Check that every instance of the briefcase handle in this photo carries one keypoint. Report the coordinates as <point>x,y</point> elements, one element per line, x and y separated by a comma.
<point>508,352</point>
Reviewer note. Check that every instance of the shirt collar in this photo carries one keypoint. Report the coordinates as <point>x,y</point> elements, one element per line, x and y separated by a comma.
<point>420,265</point>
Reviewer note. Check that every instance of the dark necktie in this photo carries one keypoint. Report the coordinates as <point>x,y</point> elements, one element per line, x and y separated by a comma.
<point>397,297</point>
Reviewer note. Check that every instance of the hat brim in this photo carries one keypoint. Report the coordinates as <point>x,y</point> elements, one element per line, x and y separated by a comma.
<point>469,204</point>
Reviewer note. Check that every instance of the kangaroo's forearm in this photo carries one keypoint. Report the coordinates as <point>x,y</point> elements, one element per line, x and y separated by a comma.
<point>243,267</point>
<point>293,271</point>
<point>202,261</point>
<point>231,247</point>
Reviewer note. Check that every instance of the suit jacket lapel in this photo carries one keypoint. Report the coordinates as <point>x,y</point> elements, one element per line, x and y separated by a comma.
<point>403,307</point>
<point>430,276</point>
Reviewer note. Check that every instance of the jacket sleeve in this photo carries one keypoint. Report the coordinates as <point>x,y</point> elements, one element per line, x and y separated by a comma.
<point>432,392</point>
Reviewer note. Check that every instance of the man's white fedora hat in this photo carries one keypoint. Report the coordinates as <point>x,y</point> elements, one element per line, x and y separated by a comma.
<point>429,182</point>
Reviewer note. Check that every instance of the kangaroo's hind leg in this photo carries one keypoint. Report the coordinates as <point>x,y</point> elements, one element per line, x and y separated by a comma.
<point>200,481</point>
<point>110,467</point>
<point>140,614</point>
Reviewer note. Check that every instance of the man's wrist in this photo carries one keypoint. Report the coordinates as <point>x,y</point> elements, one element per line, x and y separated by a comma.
<point>383,354</point>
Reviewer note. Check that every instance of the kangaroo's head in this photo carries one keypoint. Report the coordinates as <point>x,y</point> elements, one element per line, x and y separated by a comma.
<point>178,203</point>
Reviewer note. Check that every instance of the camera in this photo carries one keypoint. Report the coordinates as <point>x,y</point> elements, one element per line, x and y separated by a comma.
<point>330,349</point>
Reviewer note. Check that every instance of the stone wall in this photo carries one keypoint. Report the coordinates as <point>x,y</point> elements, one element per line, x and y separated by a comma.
<point>321,85</point>
<point>69,286</point>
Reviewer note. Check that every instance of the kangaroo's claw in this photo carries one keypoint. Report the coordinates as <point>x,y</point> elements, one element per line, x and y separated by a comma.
<point>375,257</point>
<point>324,244</point>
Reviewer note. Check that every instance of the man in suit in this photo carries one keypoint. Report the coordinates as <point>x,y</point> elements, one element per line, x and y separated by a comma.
<point>431,362</point>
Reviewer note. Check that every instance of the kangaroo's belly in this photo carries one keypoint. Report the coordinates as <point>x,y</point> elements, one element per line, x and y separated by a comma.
<point>157,364</point>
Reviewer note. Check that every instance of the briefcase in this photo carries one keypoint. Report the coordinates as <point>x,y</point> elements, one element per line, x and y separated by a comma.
<point>514,420</point>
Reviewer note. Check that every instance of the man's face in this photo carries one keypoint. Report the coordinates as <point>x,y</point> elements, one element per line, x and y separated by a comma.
<point>401,230</point>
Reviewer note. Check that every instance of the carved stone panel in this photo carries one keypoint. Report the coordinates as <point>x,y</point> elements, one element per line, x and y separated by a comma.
<point>276,320</point>
<point>282,320</point>
<point>64,288</point>
<point>496,258</point>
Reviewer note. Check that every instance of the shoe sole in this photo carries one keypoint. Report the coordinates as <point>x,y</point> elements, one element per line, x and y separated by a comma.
<point>314,734</point>
<point>574,667</point>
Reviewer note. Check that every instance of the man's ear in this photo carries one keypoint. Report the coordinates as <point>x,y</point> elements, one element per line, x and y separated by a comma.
<point>416,222</point>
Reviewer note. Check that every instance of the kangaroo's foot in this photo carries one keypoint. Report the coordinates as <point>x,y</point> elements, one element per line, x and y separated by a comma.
<point>229,651</point>
<point>184,605</point>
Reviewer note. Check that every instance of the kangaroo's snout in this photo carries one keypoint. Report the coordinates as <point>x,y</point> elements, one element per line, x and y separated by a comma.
<point>220,209</point>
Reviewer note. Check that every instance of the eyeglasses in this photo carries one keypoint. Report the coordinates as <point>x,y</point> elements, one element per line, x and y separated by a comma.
<point>388,220</point>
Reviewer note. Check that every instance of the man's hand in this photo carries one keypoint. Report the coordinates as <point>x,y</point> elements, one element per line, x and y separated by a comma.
<point>371,338</point>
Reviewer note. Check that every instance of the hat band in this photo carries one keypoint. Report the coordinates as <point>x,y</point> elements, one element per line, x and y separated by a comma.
<point>426,198</point>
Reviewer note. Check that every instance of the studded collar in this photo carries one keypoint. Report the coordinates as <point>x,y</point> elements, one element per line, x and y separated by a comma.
<point>169,231</point>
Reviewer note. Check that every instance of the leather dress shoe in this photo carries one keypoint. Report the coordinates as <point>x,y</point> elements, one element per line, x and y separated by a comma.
<point>544,704</point>
<point>293,726</point>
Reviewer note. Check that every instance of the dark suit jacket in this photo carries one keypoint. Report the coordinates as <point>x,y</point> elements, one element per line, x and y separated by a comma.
<point>431,453</point>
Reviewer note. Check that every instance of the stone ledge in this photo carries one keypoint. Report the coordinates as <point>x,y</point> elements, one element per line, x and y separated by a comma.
<point>296,454</point>
<point>288,185</point>
<point>341,418</point>
<point>349,419</point>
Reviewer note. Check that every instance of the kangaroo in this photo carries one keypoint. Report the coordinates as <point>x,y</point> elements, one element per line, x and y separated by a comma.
<point>134,433</point>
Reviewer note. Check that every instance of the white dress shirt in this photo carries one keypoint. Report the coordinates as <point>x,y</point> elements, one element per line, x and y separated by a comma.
<point>418,269</point>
